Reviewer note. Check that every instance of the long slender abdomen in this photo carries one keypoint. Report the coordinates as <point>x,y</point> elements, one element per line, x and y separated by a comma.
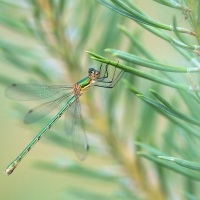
<point>11,167</point>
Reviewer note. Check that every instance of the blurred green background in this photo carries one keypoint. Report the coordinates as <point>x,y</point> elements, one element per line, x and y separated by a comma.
<point>44,41</point>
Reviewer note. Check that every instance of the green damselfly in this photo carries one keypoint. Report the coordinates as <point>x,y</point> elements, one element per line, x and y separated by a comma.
<point>26,92</point>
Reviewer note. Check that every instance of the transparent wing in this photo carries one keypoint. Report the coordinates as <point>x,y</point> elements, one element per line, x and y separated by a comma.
<point>41,111</point>
<point>79,140</point>
<point>28,92</point>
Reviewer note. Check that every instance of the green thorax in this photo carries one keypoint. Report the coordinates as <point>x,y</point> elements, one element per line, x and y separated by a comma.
<point>84,83</point>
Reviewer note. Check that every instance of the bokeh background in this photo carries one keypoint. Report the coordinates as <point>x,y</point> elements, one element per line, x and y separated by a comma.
<point>44,41</point>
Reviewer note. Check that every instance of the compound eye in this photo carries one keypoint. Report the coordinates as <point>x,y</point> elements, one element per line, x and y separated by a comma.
<point>90,70</point>
<point>97,73</point>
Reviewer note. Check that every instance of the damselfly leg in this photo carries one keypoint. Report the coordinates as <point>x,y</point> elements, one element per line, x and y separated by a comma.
<point>108,79</point>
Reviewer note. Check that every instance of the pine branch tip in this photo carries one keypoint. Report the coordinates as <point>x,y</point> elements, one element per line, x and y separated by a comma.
<point>166,158</point>
<point>107,50</point>
<point>151,90</point>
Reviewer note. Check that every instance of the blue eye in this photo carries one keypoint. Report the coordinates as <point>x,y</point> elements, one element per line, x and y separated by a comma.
<point>90,70</point>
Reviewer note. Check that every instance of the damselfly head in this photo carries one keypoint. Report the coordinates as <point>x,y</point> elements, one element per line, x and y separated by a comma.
<point>93,73</point>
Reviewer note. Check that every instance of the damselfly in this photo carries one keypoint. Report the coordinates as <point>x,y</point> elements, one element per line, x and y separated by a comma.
<point>100,78</point>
